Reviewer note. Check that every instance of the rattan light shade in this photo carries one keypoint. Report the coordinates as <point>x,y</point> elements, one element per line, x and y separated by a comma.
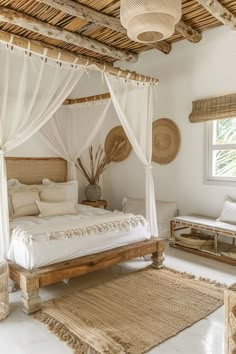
<point>149,21</point>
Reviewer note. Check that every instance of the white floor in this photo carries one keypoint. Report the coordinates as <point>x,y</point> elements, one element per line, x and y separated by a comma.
<point>21,334</point>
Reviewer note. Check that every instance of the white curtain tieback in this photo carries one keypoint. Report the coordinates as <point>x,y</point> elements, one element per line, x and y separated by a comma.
<point>2,151</point>
<point>149,167</point>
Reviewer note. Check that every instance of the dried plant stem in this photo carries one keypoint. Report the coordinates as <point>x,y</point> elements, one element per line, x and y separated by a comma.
<point>98,163</point>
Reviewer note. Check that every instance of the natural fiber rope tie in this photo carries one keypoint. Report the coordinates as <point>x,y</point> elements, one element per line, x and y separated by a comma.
<point>11,41</point>
<point>44,57</point>
<point>58,59</point>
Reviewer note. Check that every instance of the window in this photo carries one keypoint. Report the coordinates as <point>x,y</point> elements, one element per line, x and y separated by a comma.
<point>221,159</point>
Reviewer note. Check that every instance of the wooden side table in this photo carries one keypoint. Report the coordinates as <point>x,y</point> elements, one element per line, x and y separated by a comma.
<point>98,204</point>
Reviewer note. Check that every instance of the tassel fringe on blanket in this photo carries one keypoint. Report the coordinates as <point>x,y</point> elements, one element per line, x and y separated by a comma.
<point>126,224</point>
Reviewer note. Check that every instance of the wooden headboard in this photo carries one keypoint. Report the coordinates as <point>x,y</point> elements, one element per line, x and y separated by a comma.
<point>33,170</point>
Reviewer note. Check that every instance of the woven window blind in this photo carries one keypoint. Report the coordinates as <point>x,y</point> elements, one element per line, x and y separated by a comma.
<point>213,108</point>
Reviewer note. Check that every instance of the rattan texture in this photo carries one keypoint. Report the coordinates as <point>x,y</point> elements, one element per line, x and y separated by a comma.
<point>33,170</point>
<point>165,141</point>
<point>117,135</point>
<point>213,108</point>
<point>149,21</point>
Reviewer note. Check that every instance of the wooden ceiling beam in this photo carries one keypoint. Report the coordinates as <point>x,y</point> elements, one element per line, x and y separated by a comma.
<point>188,32</point>
<point>32,24</point>
<point>78,10</point>
<point>69,57</point>
<point>220,12</point>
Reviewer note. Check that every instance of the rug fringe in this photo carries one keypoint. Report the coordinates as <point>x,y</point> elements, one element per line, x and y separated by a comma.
<point>194,277</point>
<point>63,333</point>
<point>213,282</point>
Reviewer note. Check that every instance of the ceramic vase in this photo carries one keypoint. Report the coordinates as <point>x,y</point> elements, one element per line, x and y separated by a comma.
<point>93,192</point>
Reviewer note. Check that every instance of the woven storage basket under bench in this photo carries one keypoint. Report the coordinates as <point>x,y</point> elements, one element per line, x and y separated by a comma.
<point>203,236</point>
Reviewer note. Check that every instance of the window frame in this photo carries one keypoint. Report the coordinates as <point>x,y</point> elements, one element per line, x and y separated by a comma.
<point>210,147</point>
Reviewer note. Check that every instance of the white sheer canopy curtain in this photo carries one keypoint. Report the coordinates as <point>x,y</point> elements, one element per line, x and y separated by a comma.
<point>32,88</point>
<point>72,130</point>
<point>134,103</point>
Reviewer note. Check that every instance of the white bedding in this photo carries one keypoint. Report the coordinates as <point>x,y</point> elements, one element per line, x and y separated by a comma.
<point>38,242</point>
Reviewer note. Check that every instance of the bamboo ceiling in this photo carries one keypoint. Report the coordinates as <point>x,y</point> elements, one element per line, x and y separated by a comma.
<point>194,15</point>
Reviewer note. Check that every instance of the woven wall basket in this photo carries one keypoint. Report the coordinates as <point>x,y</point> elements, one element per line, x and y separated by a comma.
<point>165,141</point>
<point>117,134</point>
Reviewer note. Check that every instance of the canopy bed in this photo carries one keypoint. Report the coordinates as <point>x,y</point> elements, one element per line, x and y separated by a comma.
<point>34,87</point>
<point>44,261</point>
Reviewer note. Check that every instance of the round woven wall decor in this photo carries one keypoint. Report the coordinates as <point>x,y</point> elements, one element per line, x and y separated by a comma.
<point>117,135</point>
<point>165,141</point>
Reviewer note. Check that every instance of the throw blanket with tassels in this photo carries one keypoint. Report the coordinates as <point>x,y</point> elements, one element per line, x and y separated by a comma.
<point>68,227</point>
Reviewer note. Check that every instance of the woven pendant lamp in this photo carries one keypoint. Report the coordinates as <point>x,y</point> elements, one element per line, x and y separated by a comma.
<point>149,21</point>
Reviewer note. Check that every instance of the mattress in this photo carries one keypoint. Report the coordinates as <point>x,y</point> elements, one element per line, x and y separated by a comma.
<point>37,242</point>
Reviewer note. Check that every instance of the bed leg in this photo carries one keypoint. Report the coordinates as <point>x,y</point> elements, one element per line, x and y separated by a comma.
<point>158,256</point>
<point>12,286</point>
<point>29,284</point>
<point>31,301</point>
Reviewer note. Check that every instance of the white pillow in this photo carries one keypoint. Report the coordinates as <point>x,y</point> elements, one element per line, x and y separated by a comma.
<point>228,213</point>
<point>70,187</point>
<point>24,203</point>
<point>60,208</point>
<point>15,186</point>
<point>12,182</point>
<point>134,205</point>
<point>165,212</point>
<point>54,194</point>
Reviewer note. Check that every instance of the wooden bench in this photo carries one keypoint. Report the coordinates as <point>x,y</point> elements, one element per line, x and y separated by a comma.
<point>209,226</point>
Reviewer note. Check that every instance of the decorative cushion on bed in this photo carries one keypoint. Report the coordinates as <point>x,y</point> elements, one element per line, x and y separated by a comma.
<point>13,182</point>
<point>165,212</point>
<point>24,203</point>
<point>59,208</point>
<point>54,194</point>
<point>70,189</point>
<point>15,186</point>
<point>228,213</point>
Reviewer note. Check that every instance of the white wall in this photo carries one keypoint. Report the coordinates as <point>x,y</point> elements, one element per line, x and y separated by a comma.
<point>189,72</point>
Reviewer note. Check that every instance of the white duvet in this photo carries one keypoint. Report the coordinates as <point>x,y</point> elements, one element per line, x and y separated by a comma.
<point>37,242</point>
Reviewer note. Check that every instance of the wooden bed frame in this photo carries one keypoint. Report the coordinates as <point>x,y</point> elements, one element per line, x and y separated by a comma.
<point>31,281</point>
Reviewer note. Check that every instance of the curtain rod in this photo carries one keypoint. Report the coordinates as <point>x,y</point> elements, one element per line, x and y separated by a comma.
<point>66,56</point>
<point>104,96</point>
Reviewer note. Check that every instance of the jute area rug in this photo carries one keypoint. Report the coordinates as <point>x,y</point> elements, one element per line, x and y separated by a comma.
<point>131,314</point>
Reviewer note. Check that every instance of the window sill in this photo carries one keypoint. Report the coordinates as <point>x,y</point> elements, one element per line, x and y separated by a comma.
<point>219,182</point>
